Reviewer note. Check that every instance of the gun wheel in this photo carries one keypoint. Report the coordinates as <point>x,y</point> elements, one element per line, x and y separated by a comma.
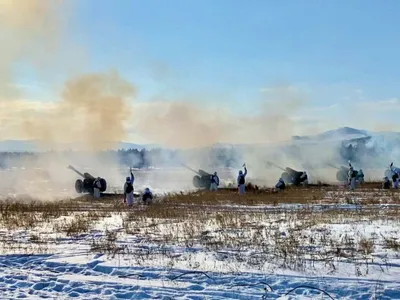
<point>197,182</point>
<point>103,185</point>
<point>79,186</point>
<point>341,176</point>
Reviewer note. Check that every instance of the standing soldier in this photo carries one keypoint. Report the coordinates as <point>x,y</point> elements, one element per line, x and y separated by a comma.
<point>241,180</point>
<point>214,182</point>
<point>128,189</point>
<point>96,188</point>
<point>351,177</point>
<point>395,175</point>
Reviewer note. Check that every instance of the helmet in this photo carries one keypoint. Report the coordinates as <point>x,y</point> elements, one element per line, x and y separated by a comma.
<point>128,179</point>
<point>215,173</point>
<point>147,190</point>
<point>240,172</point>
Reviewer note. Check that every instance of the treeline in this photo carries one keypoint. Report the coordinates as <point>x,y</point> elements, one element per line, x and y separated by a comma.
<point>357,152</point>
<point>136,158</point>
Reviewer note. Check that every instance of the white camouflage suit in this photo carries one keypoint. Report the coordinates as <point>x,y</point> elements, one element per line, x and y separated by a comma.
<point>214,182</point>
<point>96,188</point>
<point>242,187</point>
<point>351,179</point>
<point>129,196</point>
<point>395,170</point>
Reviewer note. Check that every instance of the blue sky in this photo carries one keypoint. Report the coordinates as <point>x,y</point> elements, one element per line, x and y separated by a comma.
<point>224,44</point>
<point>341,53</point>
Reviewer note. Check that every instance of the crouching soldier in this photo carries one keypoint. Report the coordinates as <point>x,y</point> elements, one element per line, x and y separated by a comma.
<point>147,197</point>
<point>280,186</point>
<point>386,183</point>
<point>214,182</point>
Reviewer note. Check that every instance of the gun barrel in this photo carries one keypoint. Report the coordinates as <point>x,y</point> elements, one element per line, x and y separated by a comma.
<point>274,165</point>
<point>189,168</point>
<point>76,171</point>
<point>334,167</point>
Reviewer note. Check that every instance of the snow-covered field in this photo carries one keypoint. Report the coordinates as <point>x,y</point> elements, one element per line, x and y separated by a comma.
<point>319,243</point>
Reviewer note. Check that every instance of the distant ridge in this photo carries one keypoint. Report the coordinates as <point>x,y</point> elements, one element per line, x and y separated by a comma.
<point>342,133</point>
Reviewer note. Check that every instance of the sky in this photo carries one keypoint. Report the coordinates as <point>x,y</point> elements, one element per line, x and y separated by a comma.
<point>342,56</point>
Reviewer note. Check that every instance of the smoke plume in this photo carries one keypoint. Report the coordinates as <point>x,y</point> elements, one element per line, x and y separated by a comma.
<point>190,124</point>
<point>93,107</point>
<point>93,112</point>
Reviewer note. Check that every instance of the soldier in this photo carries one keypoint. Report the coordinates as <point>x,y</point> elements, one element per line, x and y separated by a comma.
<point>395,175</point>
<point>128,189</point>
<point>360,176</point>
<point>147,197</point>
<point>386,183</point>
<point>304,178</point>
<point>351,177</point>
<point>96,188</point>
<point>214,182</point>
<point>241,180</point>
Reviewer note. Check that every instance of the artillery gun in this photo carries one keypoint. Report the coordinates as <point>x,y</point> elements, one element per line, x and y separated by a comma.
<point>290,175</point>
<point>202,179</point>
<point>342,173</point>
<point>86,185</point>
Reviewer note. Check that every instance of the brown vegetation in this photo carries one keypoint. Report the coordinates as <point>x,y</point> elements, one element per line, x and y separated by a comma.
<point>258,221</point>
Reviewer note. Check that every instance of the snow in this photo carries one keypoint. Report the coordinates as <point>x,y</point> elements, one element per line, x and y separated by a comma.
<point>41,276</point>
<point>161,258</point>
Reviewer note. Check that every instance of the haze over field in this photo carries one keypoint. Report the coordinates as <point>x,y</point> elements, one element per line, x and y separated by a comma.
<point>90,75</point>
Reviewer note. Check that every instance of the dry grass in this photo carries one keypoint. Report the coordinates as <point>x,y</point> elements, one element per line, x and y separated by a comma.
<point>77,225</point>
<point>222,220</point>
<point>392,243</point>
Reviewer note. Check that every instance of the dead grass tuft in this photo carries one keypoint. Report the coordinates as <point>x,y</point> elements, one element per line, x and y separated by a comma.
<point>392,243</point>
<point>77,225</point>
<point>366,246</point>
